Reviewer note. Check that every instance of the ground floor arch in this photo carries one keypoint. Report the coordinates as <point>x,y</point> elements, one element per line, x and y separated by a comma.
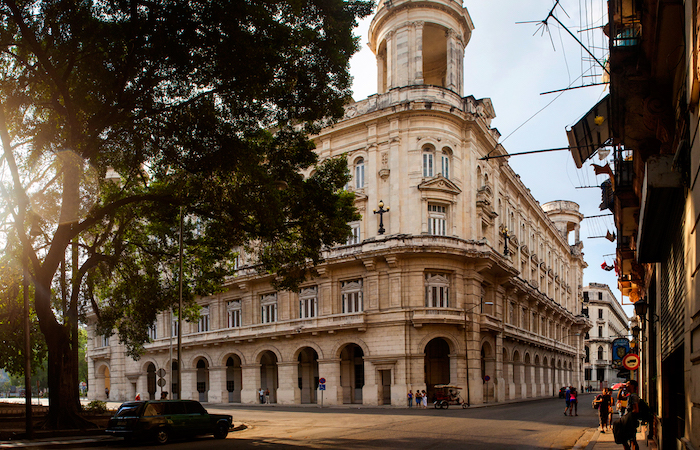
<point>202,366</point>
<point>269,374</point>
<point>307,372</point>
<point>436,364</point>
<point>352,373</point>
<point>234,378</point>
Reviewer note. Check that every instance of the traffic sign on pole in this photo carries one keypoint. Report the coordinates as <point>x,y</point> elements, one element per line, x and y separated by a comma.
<point>630,361</point>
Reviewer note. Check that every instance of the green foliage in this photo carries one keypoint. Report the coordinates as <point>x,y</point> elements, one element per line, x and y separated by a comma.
<point>202,106</point>
<point>12,350</point>
<point>96,407</point>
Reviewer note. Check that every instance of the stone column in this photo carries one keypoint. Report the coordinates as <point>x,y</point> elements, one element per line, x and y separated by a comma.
<point>330,370</point>
<point>370,391</point>
<point>509,379</point>
<point>250,383</point>
<point>288,392</point>
<point>451,77</point>
<point>217,385</point>
<point>402,57</point>
<point>418,56</point>
<point>521,387</point>
<point>390,60</point>
<point>189,384</point>
<point>499,377</point>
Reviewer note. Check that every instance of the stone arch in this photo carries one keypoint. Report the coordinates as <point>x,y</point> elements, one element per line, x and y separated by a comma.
<point>529,382</point>
<point>488,368</point>
<point>229,353</point>
<point>307,373</point>
<point>234,376</point>
<point>103,381</point>
<point>437,364</point>
<point>538,390</point>
<point>507,372</point>
<point>192,363</point>
<point>451,342</point>
<point>260,351</point>
<point>352,372</point>
<point>151,380</point>
<point>518,374</point>
<point>306,344</point>
<point>269,380</point>
<point>202,365</point>
<point>341,345</point>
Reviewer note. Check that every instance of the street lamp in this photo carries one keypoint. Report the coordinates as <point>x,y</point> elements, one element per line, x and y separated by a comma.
<point>381,211</point>
<point>506,237</point>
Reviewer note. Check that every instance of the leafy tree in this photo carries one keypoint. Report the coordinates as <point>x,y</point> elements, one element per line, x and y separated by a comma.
<point>116,115</point>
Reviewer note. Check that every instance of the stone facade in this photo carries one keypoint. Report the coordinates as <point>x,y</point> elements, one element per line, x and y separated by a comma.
<point>609,322</point>
<point>436,298</point>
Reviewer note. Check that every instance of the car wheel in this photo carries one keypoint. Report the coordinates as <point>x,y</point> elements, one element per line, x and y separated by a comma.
<point>221,431</point>
<point>162,436</point>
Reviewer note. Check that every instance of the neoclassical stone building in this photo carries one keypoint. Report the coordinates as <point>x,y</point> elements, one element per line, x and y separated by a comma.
<point>471,277</point>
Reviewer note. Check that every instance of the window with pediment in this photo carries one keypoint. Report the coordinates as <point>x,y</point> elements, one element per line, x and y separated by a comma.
<point>437,290</point>
<point>308,302</point>
<point>233,309</point>
<point>103,341</point>
<point>355,237</point>
<point>268,308</point>
<point>351,296</point>
<point>203,324</point>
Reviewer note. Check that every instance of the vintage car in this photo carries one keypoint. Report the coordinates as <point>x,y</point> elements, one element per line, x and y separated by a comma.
<point>165,419</point>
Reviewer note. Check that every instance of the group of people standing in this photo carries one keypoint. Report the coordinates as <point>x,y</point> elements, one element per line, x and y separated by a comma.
<point>628,403</point>
<point>264,396</point>
<point>420,397</point>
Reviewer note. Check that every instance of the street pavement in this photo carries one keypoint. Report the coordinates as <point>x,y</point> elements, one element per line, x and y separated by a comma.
<point>536,424</point>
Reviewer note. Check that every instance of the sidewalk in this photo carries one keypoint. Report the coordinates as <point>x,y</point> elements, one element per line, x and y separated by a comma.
<point>593,439</point>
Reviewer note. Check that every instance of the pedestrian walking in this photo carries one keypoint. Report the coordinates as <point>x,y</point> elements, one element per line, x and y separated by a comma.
<point>625,429</point>
<point>261,394</point>
<point>573,401</point>
<point>604,404</point>
<point>425,399</point>
<point>567,398</point>
<point>410,399</point>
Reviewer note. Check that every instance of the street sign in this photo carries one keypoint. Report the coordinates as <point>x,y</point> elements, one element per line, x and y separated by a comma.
<point>321,387</point>
<point>161,382</point>
<point>620,347</point>
<point>487,378</point>
<point>161,372</point>
<point>630,361</point>
<point>322,380</point>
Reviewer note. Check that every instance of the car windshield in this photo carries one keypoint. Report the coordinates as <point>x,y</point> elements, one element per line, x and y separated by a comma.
<point>128,410</point>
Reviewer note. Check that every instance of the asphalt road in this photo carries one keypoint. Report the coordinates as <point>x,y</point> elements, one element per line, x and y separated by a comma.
<point>537,424</point>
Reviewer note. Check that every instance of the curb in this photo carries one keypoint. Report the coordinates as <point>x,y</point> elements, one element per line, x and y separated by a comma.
<point>587,440</point>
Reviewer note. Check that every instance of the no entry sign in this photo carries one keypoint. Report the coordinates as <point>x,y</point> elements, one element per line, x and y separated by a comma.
<point>630,361</point>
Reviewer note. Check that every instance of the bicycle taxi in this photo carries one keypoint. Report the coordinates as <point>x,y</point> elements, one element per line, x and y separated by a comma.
<point>446,395</point>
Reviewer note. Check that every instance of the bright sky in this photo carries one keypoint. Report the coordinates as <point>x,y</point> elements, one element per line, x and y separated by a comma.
<point>513,64</point>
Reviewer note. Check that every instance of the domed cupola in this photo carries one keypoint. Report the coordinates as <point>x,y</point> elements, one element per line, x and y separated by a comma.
<point>420,42</point>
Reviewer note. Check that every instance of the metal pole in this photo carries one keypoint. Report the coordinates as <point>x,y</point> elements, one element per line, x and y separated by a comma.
<point>179,320</point>
<point>27,358</point>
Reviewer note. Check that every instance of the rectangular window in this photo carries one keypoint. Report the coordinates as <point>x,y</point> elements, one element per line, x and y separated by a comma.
<point>234,313</point>
<point>351,293</point>
<point>585,297</point>
<point>174,329</point>
<point>103,341</point>
<point>203,324</point>
<point>308,303</point>
<point>600,296</point>
<point>268,305</point>
<point>355,236</point>
<point>600,331</point>
<point>600,313</point>
<point>437,219</point>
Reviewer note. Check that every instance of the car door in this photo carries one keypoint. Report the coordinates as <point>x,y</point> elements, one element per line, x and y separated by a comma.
<point>198,419</point>
<point>177,417</point>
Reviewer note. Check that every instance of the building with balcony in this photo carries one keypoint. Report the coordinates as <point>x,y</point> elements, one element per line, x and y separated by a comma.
<point>457,275</point>
<point>651,118</point>
<point>609,322</point>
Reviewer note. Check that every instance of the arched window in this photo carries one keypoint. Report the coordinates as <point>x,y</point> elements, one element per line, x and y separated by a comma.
<point>359,173</point>
<point>428,162</point>
<point>600,352</point>
<point>445,162</point>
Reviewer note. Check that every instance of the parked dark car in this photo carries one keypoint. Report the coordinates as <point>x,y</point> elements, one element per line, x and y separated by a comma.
<point>165,419</point>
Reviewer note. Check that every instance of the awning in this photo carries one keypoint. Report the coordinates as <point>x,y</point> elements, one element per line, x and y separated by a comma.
<point>590,133</point>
